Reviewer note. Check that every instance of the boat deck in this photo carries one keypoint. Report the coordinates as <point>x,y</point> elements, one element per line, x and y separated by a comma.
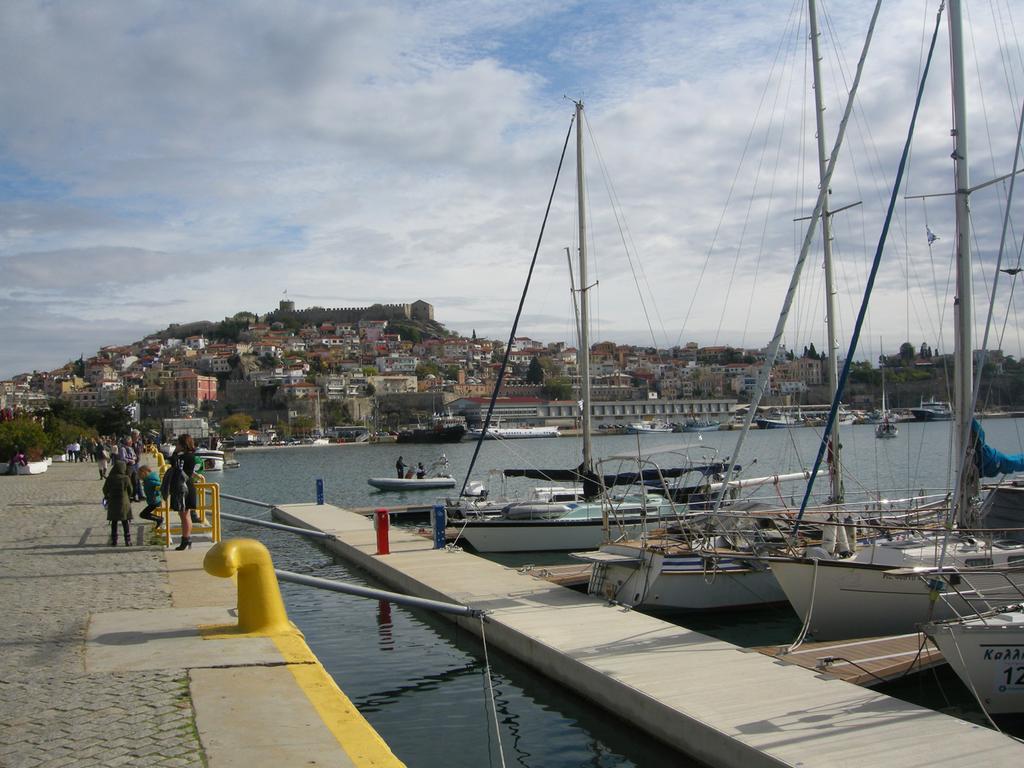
<point>720,704</point>
<point>867,661</point>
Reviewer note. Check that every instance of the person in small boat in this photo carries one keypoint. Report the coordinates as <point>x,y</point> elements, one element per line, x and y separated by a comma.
<point>400,468</point>
<point>421,471</point>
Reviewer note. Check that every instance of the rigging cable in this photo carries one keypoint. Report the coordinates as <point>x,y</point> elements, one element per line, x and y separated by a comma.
<point>871,279</point>
<point>519,312</point>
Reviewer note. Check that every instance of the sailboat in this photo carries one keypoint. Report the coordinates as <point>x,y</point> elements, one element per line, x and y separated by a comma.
<point>715,565</point>
<point>605,511</point>
<point>875,591</point>
<point>886,428</point>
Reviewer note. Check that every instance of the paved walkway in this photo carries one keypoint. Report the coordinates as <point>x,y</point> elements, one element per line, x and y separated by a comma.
<point>55,570</point>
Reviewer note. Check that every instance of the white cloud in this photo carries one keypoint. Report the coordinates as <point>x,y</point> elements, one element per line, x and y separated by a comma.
<point>391,151</point>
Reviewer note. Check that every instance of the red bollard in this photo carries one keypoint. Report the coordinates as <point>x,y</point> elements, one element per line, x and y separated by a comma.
<point>382,523</point>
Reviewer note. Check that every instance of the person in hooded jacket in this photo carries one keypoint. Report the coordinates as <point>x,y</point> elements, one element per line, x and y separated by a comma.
<point>117,493</point>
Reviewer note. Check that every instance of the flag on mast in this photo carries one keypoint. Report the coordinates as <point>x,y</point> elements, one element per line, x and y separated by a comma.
<point>932,237</point>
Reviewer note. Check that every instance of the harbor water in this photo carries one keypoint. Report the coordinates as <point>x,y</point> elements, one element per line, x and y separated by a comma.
<point>422,682</point>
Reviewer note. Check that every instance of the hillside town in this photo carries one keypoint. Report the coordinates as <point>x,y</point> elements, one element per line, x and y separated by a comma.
<point>311,371</point>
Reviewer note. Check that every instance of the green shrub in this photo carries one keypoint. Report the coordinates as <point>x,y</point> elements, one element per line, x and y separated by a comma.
<point>24,433</point>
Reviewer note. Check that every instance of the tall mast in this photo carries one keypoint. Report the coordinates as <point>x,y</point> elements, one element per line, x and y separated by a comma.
<point>835,466</point>
<point>583,355</point>
<point>963,305</point>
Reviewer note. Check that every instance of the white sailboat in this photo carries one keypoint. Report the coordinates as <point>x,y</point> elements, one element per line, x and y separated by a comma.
<point>984,645</point>
<point>717,566</point>
<point>886,429</point>
<point>861,595</point>
<point>571,525</point>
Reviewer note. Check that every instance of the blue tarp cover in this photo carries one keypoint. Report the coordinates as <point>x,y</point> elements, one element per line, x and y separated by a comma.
<point>990,461</point>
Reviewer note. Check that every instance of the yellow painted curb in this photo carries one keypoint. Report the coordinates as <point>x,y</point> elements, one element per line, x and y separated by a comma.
<point>356,736</point>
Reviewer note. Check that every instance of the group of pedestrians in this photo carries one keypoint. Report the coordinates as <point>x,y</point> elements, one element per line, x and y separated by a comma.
<point>129,480</point>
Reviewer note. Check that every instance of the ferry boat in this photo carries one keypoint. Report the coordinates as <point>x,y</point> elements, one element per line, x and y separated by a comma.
<point>932,410</point>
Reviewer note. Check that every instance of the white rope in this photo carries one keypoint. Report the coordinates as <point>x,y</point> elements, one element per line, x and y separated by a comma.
<point>490,688</point>
<point>966,677</point>
<point>810,609</point>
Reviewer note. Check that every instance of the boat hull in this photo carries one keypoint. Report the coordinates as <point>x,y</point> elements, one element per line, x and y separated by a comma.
<point>411,483</point>
<point>988,655</point>
<point>449,434</point>
<point>548,535</point>
<point>682,582</point>
<point>861,600</point>
<point>213,461</point>
<point>513,433</point>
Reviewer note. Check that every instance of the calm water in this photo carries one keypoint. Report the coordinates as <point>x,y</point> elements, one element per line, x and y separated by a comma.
<point>420,681</point>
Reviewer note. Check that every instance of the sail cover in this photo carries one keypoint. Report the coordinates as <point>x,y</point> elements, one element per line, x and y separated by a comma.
<point>990,461</point>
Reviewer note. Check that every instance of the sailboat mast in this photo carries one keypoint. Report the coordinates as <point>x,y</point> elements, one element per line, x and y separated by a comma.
<point>583,355</point>
<point>835,467</point>
<point>963,304</point>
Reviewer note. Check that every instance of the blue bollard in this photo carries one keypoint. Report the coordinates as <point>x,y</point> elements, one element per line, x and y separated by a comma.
<point>439,523</point>
<point>319,490</point>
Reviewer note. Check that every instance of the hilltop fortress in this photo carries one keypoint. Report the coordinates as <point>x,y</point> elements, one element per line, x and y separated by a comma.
<point>418,310</point>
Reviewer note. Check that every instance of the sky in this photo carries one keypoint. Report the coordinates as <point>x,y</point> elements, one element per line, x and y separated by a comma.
<point>168,162</point>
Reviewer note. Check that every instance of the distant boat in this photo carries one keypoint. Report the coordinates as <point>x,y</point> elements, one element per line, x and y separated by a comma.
<point>513,433</point>
<point>886,428</point>
<point>777,421</point>
<point>701,425</point>
<point>648,427</point>
<point>443,429</point>
<point>440,477</point>
<point>411,483</point>
<point>932,410</point>
<point>213,461</point>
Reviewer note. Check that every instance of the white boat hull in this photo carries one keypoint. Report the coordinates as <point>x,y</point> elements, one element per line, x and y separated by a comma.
<point>213,461</point>
<point>860,600</point>
<point>541,535</point>
<point>988,655</point>
<point>513,433</point>
<point>682,582</point>
<point>411,483</point>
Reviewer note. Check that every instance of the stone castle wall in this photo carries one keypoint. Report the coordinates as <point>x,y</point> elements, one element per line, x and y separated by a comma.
<point>419,310</point>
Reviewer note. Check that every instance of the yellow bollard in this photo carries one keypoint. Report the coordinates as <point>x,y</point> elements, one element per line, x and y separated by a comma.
<point>260,607</point>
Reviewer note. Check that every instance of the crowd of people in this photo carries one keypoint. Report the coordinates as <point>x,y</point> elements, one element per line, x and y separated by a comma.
<point>128,479</point>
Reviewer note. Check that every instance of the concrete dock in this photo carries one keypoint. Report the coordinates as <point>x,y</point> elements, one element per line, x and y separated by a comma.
<point>127,655</point>
<point>718,703</point>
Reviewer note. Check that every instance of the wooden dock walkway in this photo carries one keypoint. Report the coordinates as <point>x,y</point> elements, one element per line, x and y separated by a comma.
<point>868,661</point>
<point>720,704</point>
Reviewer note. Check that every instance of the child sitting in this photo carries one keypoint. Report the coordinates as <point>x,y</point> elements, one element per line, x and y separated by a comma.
<point>151,487</point>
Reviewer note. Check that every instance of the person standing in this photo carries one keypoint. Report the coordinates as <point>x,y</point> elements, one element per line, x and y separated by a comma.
<point>117,490</point>
<point>400,468</point>
<point>102,457</point>
<point>180,488</point>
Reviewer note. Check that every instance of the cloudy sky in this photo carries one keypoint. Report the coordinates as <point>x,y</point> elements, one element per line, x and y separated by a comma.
<point>174,161</point>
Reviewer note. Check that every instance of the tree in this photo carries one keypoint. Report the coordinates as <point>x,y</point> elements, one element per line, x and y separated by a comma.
<point>558,388</point>
<point>236,422</point>
<point>906,353</point>
<point>535,373</point>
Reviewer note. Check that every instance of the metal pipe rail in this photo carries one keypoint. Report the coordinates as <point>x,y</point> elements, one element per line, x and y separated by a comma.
<point>379,594</point>
<point>247,501</point>
<point>279,526</point>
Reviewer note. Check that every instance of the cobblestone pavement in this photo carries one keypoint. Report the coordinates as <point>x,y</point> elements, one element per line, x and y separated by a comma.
<point>56,568</point>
